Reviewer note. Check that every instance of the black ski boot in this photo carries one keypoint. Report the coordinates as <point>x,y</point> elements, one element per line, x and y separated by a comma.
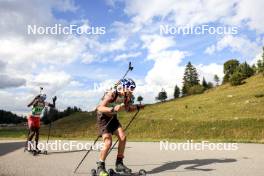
<point>101,169</point>
<point>120,167</point>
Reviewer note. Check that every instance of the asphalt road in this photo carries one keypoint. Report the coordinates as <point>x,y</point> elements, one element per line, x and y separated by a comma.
<point>246,160</point>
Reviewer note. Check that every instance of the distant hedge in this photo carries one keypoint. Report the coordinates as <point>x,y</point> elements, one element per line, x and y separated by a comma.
<point>7,117</point>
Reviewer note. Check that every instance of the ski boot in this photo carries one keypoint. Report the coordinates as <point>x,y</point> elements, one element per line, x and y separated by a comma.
<point>101,169</point>
<point>121,168</point>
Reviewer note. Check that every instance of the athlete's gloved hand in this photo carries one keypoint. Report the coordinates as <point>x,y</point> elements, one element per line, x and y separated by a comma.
<point>54,99</point>
<point>118,107</point>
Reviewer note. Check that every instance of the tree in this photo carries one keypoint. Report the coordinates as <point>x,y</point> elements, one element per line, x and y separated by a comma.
<point>216,79</point>
<point>162,96</point>
<point>230,67</point>
<point>139,99</point>
<point>236,79</point>
<point>184,90</point>
<point>245,70</point>
<point>204,83</point>
<point>254,68</point>
<point>260,64</point>
<point>190,78</point>
<point>176,92</point>
<point>8,117</point>
<point>210,85</point>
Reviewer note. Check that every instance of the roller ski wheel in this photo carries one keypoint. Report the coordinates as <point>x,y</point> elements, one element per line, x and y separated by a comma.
<point>111,172</point>
<point>45,152</point>
<point>93,172</point>
<point>34,152</point>
<point>142,172</point>
<point>102,173</point>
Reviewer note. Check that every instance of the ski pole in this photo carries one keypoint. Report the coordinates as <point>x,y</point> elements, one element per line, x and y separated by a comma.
<point>133,118</point>
<point>49,133</point>
<point>95,141</point>
<point>51,116</point>
<point>130,68</point>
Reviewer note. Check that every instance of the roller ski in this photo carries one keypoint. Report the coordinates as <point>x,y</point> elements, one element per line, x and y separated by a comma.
<point>123,170</point>
<point>141,172</point>
<point>111,172</point>
<point>36,152</point>
<point>28,150</point>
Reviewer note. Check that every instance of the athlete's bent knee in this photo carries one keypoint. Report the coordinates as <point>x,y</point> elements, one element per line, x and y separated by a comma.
<point>107,142</point>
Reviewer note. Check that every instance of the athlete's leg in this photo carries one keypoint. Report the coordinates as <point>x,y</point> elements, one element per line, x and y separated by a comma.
<point>120,167</point>
<point>30,137</point>
<point>121,142</point>
<point>107,139</point>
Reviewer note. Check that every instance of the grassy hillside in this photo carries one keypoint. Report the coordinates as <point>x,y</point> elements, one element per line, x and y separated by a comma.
<point>224,113</point>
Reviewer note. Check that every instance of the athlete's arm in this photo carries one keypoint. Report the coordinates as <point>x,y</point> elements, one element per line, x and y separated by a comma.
<point>103,105</point>
<point>52,105</point>
<point>49,104</point>
<point>53,102</point>
<point>32,102</point>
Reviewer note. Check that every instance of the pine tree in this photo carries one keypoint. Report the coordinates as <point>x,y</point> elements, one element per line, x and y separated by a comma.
<point>190,78</point>
<point>260,64</point>
<point>139,99</point>
<point>162,96</point>
<point>245,70</point>
<point>216,79</point>
<point>204,83</point>
<point>176,92</point>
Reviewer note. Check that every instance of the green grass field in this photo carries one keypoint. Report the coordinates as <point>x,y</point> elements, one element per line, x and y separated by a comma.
<point>224,113</point>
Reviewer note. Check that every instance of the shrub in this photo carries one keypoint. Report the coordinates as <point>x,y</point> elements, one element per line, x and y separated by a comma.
<point>236,79</point>
<point>259,95</point>
<point>196,89</point>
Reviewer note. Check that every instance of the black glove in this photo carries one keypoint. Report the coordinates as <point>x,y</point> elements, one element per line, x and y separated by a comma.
<point>54,100</point>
